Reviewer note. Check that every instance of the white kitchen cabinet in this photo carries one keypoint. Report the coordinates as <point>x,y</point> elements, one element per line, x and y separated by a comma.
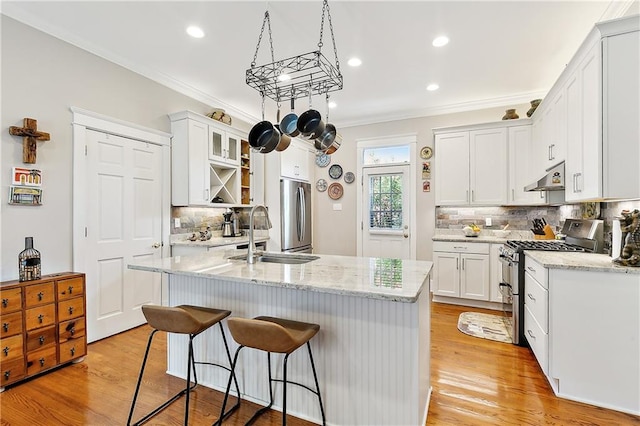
<point>488,166</point>
<point>599,87</point>
<point>536,316</point>
<point>224,145</point>
<point>198,173</point>
<point>521,172</point>
<point>461,270</point>
<point>451,172</point>
<point>471,167</point>
<point>594,348</point>
<point>294,162</point>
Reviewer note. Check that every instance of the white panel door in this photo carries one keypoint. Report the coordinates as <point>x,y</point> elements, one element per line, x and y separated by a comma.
<point>385,212</point>
<point>124,225</point>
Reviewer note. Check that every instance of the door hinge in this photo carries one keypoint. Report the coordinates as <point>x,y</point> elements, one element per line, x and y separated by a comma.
<point>361,225</point>
<point>85,150</point>
<point>85,232</point>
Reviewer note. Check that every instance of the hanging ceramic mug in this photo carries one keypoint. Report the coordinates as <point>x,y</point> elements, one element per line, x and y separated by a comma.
<point>310,124</point>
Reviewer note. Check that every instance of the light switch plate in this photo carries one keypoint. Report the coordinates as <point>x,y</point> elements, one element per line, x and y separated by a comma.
<point>176,222</point>
<point>487,221</point>
<point>337,206</point>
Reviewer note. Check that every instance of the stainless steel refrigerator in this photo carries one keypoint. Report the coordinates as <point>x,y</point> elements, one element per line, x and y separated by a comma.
<point>295,211</point>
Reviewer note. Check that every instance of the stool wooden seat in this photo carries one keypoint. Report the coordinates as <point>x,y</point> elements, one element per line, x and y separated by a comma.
<point>183,319</point>
<point>276,335</point>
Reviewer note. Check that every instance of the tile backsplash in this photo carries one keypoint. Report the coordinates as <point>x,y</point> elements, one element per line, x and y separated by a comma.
<point>519,218</point>
<point>195,219</point>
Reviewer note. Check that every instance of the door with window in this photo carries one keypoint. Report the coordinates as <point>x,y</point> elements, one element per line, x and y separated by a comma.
<point>386,212</point>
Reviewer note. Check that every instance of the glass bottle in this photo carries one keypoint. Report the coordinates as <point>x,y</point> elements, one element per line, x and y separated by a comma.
<point>29,262</point>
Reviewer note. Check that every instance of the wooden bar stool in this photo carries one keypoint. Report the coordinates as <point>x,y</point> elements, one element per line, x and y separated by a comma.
<point>183,319</point>
<point>273,335</point>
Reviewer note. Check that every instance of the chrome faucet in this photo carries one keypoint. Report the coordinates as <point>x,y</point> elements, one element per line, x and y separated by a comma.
<point>252,245</point>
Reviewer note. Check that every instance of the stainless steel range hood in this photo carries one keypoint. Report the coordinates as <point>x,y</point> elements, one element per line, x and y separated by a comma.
<point>552,181</point>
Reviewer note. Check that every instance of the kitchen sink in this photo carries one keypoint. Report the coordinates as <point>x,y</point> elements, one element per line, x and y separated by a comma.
<point>287,259</point>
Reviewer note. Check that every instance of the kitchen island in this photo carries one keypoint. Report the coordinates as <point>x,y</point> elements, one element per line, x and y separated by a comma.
<point>372,351</point>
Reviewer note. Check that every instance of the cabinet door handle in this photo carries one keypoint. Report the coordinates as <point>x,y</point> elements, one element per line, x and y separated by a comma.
<point>463,264</point>
<point>513,194</point>
<point>70,310</point>
<point>530,333</point>
<point>460,247</point>
<point>5,303</point>
<point>472,195</point>
<point>7,374</point>
<point>466,197</point>
<point>532,270</point>
<point>70,289</point>
<point>206,194</point>
<point>40,318</point>
<point>6,350</point>
<point>457,264</point>
<point>530,296</point>
<point>72,331</point>
<point>73,351</point>
<point>40,296</point>
<point>5,326</point>
<point>41,362</point>
<point>578,180</point>
<point>41,340</point>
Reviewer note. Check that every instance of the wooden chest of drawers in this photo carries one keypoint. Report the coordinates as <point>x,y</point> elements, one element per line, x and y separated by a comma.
<point>42,325</point>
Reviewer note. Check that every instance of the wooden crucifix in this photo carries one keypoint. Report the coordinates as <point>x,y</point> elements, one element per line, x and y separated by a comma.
<point>30,135</point>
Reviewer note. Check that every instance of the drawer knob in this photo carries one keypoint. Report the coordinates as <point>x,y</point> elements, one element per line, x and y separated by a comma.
<point>72,331</point>
<point>41,360</point>
<point>41,340</point>
<point>5,326</point>
<point>6,351</point>
<point>40,296</point>
<point>70,289</point>
<point>73,351</point>
<point>41,318</point>
<point>5,303</point>
<point>530,296</point>
<point>70,310</point>
<point>7,374</point>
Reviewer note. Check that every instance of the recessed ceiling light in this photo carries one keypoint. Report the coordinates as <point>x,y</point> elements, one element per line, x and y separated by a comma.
<point>332,104</point>
<point>195,32</point>
<point>432,87</point>
<point>440,41</point>
<point>284,77</point>
<point>354,62</point>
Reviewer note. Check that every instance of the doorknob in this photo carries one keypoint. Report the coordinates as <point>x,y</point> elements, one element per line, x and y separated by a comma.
<point>156,245</point>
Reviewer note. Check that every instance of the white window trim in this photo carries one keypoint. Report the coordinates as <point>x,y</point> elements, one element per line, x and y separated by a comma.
<point>410,139</point>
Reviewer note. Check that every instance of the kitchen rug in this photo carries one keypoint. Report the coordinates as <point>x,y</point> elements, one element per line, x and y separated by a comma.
<point>485,326</point>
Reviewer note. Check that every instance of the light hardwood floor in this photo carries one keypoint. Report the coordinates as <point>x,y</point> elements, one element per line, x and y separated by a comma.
<point>475,382</point>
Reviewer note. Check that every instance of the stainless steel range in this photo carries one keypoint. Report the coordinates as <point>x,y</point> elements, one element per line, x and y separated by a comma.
<point>581,236</point>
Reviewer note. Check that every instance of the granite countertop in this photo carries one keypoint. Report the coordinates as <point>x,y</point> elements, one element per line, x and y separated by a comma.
<point>216,241</point>
<point>486,236</point>
<point>386,279</point>
<point>579,261</point>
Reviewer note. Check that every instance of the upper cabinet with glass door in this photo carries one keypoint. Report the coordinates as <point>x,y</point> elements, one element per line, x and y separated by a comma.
<point>224,145</point>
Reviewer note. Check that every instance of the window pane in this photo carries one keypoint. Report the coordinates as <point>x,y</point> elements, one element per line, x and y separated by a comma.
<point>385,201</point>
<point>387,155</point>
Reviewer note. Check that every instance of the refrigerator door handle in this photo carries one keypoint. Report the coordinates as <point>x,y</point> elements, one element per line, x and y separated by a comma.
<point>300,213</point>
<point>303,213</point>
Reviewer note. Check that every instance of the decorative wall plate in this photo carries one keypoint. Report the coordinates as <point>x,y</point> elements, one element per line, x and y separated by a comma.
<point>426,152</point>
<point>349,177</point>
<point>321,185</point>
<point>335,191</point>
<point>335,171</point>
<point>323,160</point>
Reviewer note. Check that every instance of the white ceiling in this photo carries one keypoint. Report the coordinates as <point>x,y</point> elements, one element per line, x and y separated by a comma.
<point>501,53</point>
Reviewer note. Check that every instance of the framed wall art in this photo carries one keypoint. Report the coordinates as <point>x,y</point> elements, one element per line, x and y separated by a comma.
<point>26,177</point>
<point>25,196</point>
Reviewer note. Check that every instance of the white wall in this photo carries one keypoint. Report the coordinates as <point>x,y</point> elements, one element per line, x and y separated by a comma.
<point>41,78</point>
<point>335,231</point>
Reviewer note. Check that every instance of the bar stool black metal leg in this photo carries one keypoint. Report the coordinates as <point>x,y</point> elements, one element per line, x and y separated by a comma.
<point>190,365</point>
<point>315,377</point>
<point>284,391</point>
<point>144,363</point>
<point>264,409</point>
<point>232,377</point>
<point>232,373</point>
